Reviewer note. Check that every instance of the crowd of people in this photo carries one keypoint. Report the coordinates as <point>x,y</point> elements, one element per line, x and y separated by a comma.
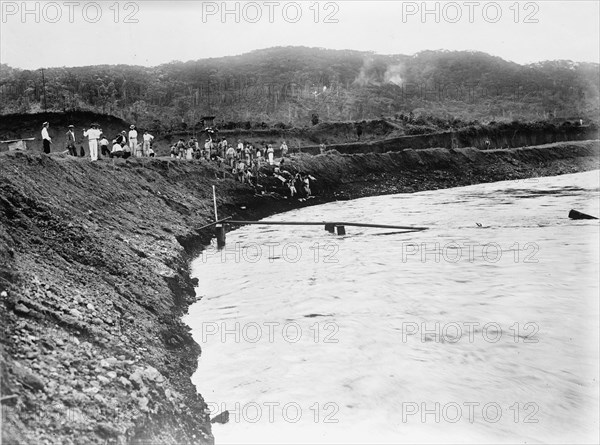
<point>243,160</point>
<point>220,149</point>
<point>123,145</point>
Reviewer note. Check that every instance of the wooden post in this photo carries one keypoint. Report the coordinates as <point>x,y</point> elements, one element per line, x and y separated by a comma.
<point>220,232</point>
<point>215,202</point>
<point>341,230</point>
<point>330,228</point>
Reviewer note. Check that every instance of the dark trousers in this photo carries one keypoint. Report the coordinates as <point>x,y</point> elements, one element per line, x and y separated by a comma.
<point>46,146</point>
<point>72,149</point>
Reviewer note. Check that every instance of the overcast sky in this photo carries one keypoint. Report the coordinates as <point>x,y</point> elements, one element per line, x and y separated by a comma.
<point>77,33</point>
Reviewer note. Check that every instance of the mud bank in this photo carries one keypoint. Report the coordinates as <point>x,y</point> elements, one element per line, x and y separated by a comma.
<point>94,276</point>
<point>518,136</point>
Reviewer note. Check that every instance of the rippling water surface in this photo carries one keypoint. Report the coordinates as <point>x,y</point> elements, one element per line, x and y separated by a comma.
<point>483,328</point>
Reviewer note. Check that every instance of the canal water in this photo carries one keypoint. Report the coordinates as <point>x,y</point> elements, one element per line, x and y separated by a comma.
<point>482,329</point>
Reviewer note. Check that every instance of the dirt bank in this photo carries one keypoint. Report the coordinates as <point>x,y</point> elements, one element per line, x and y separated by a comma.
<point>378,136</point>
<point>17,126</point>
<point>94,276</point>
<point>518,135</point>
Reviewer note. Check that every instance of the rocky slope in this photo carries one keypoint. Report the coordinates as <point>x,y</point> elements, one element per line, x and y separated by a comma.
<point>94,276</point>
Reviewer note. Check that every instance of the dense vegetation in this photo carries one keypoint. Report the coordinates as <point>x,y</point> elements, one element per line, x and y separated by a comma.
<point>296,85</point>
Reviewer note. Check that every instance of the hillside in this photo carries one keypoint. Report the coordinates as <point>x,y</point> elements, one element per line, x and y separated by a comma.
<point>291,84</point>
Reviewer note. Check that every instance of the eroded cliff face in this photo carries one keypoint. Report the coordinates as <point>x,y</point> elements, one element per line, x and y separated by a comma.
<point>94,275</point>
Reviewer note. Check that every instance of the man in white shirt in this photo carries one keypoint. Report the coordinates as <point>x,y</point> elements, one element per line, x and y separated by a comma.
<point>93,134</point>
<point>46,139</point>
<point>284,149</point>
<point>117,150</point>
<point>104,151</point>
<point>147,142</point>
<point>133,141</point>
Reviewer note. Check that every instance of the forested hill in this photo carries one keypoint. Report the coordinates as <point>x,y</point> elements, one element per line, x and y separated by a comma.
<point>292,84</point>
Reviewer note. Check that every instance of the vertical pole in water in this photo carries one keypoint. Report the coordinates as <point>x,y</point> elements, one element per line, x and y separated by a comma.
<point>219,228</point>
<point>215,203</point>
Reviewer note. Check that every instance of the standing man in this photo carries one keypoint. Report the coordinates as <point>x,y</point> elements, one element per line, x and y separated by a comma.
<point>148,138</point>
<point>240,148</point>
<point>133,141</point>
<point>359,130</point>
<point>46,139</point>
<point>181,149</point>
<point>230,154</point>
<point>284,149</point>
<point>71,141</point>
<point>93,134</point>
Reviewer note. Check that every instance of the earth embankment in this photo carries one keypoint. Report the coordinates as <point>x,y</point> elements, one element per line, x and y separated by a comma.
<point>94,275</point>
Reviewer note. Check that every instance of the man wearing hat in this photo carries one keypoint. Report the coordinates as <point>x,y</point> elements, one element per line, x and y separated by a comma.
<point>133,140</point>
<point>121,138</point>
<point>46,139</point>
<point>71,141</point>
<point>93,134</point>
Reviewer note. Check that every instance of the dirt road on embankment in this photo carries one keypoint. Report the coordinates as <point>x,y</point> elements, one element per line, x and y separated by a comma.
<point>94,275</point>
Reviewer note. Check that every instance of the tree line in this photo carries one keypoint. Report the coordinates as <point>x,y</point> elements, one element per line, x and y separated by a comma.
<point>293,84</point>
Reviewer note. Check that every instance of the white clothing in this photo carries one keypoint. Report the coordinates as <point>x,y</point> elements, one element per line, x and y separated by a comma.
<point>45,134</point>
<point>133,143</point>
<point>270,155</point>
<point>94,149</point>
<point>146,145</point>
<point>93,134</point>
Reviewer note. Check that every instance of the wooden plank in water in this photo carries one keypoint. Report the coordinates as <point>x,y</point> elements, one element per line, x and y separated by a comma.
<point>214,223</point>
<point>323,223</point>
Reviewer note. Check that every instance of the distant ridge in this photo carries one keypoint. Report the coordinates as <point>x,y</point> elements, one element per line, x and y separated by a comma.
<point>293,84</point>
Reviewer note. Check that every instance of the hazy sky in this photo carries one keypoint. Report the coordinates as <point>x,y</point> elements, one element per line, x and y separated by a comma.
<point>76,33</point>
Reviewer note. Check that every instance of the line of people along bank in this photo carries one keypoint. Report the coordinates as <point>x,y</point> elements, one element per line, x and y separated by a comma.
<point>123,145</point>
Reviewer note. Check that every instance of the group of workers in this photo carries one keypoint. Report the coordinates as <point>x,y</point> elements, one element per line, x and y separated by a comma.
<point>244,160</point>
<point>221,151</point>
